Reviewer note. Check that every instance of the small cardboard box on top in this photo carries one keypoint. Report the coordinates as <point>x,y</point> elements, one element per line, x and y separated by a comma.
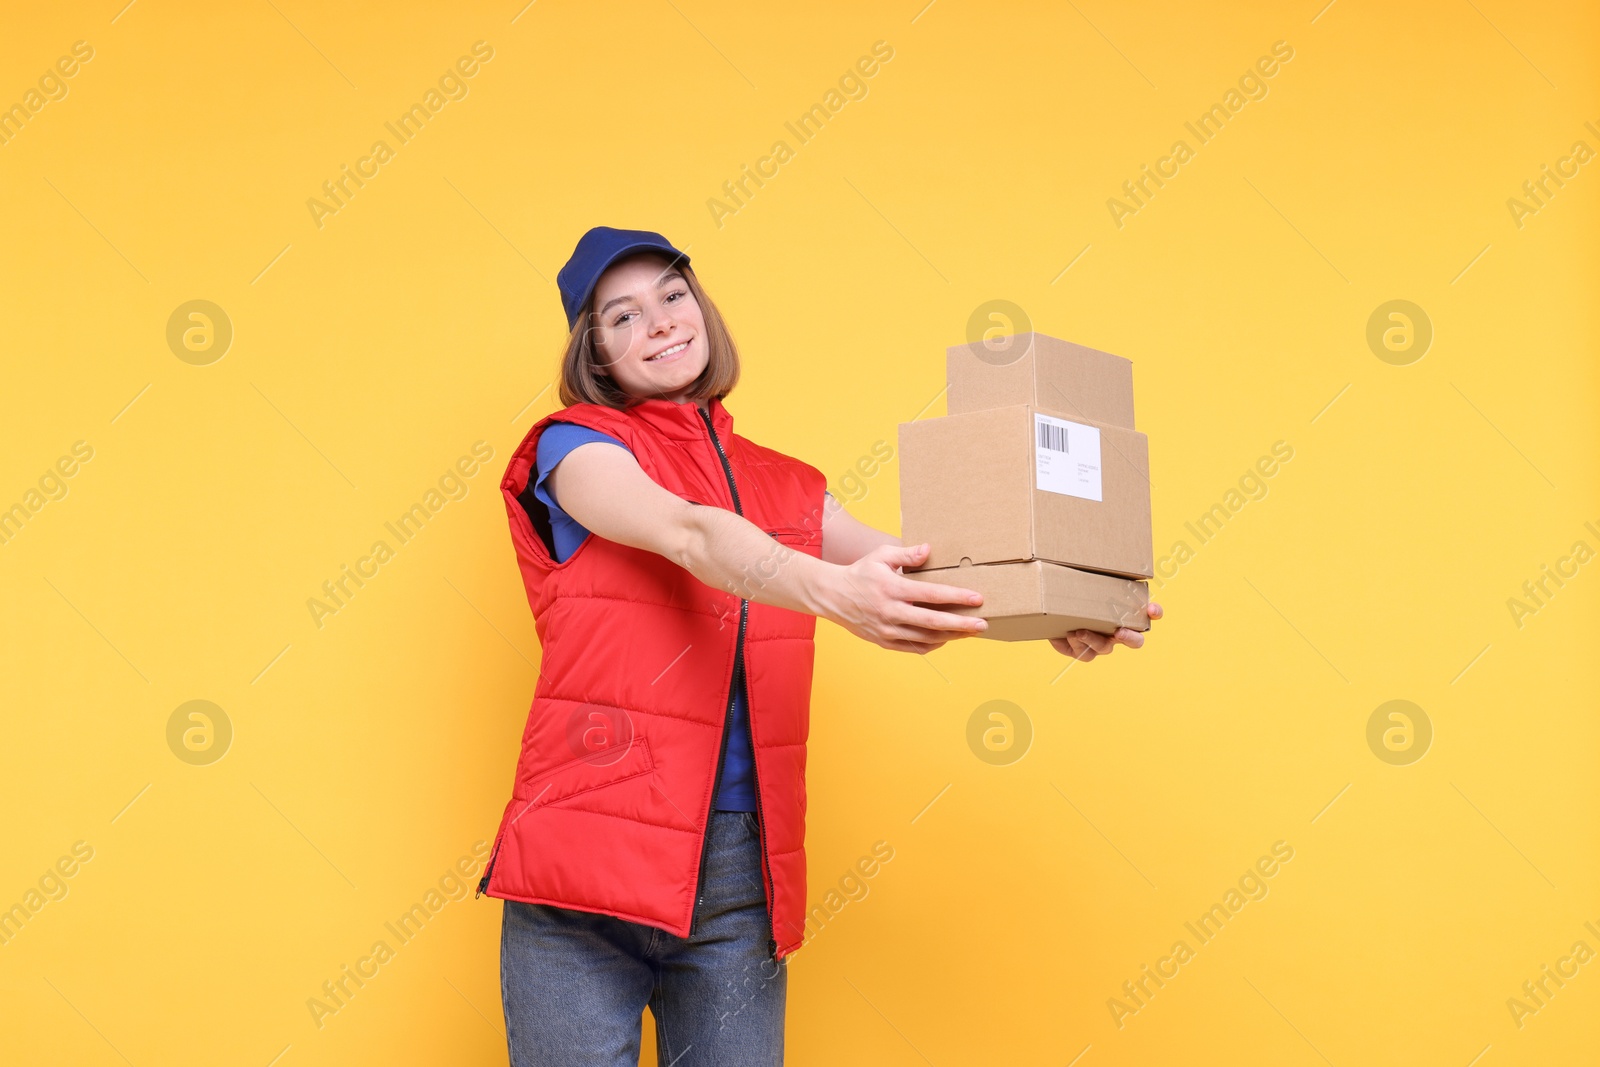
<point>1034,490</point>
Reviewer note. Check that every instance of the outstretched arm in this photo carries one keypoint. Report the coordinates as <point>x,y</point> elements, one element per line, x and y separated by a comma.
<point>605,490</point>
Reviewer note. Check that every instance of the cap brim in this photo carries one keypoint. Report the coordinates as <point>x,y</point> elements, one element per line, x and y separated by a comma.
<point>672,254</point>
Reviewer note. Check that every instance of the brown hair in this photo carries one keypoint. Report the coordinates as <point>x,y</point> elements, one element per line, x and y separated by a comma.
<point>583,383</point>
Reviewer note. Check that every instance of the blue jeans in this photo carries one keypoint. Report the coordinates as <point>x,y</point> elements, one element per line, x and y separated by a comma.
<point>575,984</point>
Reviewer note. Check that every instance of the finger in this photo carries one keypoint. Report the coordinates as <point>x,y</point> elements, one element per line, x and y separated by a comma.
<point>901,555</point>
<point>1131,638</point>
<point>1098,641</point>
<point>933,619</point>
<point>923,635</point>
<point>1069,647</point>
<point>1153,610</point>
<point>1074,645</point>
<point>920,648</point>
<point>933,593</point>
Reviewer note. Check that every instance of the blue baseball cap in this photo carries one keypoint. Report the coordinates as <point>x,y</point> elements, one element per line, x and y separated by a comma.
<point>597,250</point>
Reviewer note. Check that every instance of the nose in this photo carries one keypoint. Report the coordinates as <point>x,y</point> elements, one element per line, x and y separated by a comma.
<point>658,319</point>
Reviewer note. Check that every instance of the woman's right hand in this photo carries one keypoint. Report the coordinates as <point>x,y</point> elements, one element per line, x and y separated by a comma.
<point>874,601</point>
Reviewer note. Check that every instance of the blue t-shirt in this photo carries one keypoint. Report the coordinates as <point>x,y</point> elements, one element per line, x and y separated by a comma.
<point>736,790</point>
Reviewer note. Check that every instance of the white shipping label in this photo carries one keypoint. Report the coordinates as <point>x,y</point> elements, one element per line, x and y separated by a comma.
<point>1066,457</point>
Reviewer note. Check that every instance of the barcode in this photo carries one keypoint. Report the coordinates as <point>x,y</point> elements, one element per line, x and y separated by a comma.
<point>1052,437</point>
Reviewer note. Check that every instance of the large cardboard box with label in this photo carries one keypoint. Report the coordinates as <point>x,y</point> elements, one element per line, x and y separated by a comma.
<point>1035,489</point>
<point>1019,483</point>
<point>1039,460</point>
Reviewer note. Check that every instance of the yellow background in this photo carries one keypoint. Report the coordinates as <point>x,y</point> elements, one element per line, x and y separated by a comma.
<point>369,754</point>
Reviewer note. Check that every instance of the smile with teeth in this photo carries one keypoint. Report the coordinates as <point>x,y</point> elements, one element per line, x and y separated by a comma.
<point>670,353</point>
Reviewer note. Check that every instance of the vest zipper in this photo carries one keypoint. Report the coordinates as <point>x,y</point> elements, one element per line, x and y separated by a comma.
<point>772,945</point>
<point>727,711</point>
<point>483,883</point>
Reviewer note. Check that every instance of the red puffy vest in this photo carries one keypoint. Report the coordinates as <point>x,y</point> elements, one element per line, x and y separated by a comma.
<point>623,744</point>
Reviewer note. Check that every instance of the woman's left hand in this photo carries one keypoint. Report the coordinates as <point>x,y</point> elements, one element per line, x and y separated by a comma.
<point>1085,645</point>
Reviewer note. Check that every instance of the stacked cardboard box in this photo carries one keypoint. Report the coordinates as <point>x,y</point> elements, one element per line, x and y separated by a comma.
<point>1034,490</point>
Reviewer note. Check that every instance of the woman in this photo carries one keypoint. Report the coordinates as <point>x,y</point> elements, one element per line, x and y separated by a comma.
<point>652,851</point>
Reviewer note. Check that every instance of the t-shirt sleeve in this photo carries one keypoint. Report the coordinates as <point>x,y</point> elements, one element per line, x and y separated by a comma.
<point>558,439</point>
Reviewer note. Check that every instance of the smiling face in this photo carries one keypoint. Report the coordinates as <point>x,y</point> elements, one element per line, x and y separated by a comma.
<point>649,334</point>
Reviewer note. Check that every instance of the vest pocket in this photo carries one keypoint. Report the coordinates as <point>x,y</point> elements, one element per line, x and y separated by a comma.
<point>795,536</point>
<point>589,771</point>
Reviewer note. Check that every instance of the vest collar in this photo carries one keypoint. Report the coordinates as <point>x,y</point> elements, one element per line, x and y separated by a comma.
<point>682,421</point>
